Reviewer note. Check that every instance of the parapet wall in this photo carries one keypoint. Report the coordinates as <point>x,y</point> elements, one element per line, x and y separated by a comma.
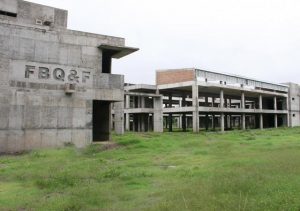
<point>174,76</point>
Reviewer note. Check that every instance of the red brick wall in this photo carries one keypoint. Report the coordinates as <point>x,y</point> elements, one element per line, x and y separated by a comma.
<point>174,76</point>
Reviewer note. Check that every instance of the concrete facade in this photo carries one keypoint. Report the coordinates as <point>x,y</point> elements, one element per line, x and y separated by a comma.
<point>294,104</point>
<point>56,85</point>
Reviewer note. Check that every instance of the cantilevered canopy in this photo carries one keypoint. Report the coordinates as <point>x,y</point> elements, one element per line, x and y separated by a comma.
<point>118,52</point>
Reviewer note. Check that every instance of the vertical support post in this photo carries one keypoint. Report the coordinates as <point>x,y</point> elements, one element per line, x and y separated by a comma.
<point>213,116</point>
<point>244,121</point>
<point>183,115</point>
<point>275,116</point>
<point>260,102</point>
<point>170,118</point>
<point>288,123</point>
<point>261,120</point>
<point>243,114</point>
<point>243,100</point>
<point>206,116</point>
<point>119,116</point>
<point>158,125</point>
<point>195,93</point>
<point>127,114</point>
<point>221,107</point>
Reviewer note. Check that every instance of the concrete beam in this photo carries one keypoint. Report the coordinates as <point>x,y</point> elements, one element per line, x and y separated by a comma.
<point>142,94</point>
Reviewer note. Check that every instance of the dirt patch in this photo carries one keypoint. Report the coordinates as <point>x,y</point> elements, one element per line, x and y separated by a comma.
<point>14,153</point>
<point>110,146</point>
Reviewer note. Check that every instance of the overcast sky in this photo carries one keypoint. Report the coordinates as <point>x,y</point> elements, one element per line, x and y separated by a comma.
<point>254,38</point>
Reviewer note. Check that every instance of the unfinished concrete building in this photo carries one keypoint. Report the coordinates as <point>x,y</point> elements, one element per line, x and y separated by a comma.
<point>224,101</point>
<point>198,99</point>
<point>56,84</point>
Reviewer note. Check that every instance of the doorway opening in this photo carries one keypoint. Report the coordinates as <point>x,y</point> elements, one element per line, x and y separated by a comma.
<point>101,120</point>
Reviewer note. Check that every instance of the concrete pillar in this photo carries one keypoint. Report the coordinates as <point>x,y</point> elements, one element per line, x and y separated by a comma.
<point>222,122</point>
<point>261,121</point>
<point>222,106</point>
<point>138,102</point>
<point>158,125</point>
<point>288,117</point>
<point>195,93</point>
<point>183,115</point>
<point>119,115</point>
<point>275,116</point>
<point>221,98</point>
<point>213,116</point>
<point>143,102</point>
<point>243,100</point>
<point>275,103</point>
<point>243,121</point>
<point>127,115</point>
<point>206,116</point>
<point>260,102</point>
<point>170,118</point>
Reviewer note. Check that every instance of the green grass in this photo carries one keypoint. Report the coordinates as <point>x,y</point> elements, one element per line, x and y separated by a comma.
<point>238,170</point>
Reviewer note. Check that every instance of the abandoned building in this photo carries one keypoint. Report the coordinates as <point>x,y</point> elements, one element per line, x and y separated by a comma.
<point>56,85</point>
<point>204,100</point>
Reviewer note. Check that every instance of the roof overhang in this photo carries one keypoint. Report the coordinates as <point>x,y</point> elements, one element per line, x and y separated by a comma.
<point>117,51</point>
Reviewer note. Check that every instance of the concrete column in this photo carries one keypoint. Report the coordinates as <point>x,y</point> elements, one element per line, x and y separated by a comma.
<point>275,116</point>
<point>183,115</point>
<point>143,102</point>
<point>221,98</point>
<point>206,116</point>
<point>158,125</point>
<point>288,123</point>
<point>170,118</point>
<point>222,106</point>
<point>138,102</point>
<point>261,121</point>
<point>243,121</point>
<point>222,122</point>
<point>243,100</point>
<point>213,116</point>
<point>127,115</point>
<point>260,102</point>
<point>119,116</point>
<point>195,93</point>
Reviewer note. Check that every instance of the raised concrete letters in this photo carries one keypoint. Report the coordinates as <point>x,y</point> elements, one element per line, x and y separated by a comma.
<point>58,74</point>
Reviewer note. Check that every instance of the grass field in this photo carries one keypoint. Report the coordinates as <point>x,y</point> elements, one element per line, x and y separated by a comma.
<point>239,170</point>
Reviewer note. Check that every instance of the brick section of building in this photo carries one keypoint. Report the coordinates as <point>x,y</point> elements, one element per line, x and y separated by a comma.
<point>174,76</point>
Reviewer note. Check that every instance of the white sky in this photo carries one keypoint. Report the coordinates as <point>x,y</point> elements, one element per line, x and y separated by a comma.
<point>254,38</point>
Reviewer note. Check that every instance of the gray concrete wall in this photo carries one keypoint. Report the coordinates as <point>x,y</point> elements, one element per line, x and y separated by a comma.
<point>294,104</point>
<point>32,14</point>
<point>35,66</point>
